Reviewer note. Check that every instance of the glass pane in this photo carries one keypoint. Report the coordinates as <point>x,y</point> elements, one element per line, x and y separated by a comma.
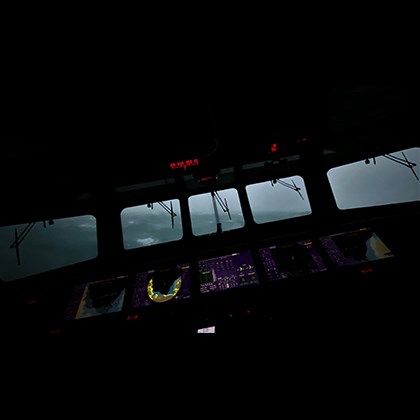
<point>37,247</point>
<point>280,200</point>
<point>211,212</point>
<point>387,179</point>
<point>151,224</point>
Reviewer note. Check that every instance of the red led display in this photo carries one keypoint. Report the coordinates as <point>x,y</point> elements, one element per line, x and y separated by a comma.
<point>277,148</point>
<point>207,179</point>
<point>184,164</point>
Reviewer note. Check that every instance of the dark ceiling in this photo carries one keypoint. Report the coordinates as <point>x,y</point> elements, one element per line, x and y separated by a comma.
<point>60,143</point>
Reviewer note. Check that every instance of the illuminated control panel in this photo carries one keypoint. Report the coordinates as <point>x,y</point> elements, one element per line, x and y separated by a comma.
<point>281,260</point>
<point>161,285</point>
<point>355,247</point>
<point>227,272</point>
<point>97,298</point>
<point>292,259</point>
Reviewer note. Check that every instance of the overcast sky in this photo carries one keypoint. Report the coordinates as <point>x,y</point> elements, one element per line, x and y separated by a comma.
<point>387,182</point>
<point>73,240</point>
<point>278,202</point>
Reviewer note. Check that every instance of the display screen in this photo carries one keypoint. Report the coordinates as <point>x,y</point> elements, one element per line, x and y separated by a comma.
<point>97,298</point>
<point>355,247</point>
<point>292,259</point>
<point>162,285</point>
<point>227,272</point>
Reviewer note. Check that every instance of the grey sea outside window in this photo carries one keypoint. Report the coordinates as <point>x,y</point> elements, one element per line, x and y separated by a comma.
<point>387,179</point>
<point>151,224</point>
<point>279,199</point>
<point>37,247</point>
<point>211,212</point>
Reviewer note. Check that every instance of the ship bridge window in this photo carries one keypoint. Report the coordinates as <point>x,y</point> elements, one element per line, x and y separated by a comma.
<point>151,224</point>
<point>37,247</point>
<point>216,211</point>
<point>278,199</point>
<point>388,179</point>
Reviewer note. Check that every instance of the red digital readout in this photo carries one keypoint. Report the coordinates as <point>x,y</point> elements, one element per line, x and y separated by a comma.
<point>184,164</point>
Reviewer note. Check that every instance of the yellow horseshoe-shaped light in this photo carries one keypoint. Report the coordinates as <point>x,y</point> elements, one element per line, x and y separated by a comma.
<point>158,297</point>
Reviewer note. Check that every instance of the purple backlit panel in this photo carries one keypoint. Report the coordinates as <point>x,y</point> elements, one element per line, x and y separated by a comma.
<point>355,247</point>
<point>292,259</point>
<point>97,298</point>
<point>227,272</point>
